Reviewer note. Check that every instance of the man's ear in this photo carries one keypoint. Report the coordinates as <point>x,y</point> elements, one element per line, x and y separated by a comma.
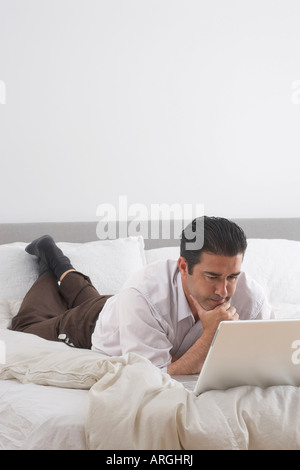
<point>183,266</point>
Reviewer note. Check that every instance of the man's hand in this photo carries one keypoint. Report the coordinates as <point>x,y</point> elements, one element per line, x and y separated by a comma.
<point>210,319</point>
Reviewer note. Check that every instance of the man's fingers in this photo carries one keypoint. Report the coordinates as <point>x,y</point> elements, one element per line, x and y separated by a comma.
<point>232,313</point>
<point>236,316</point>
<point>225,310</point>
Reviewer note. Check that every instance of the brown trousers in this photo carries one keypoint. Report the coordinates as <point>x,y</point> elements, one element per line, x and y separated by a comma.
<point>70,309</point>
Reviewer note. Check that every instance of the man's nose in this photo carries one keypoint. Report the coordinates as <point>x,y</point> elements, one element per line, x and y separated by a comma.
<point>221,288</point>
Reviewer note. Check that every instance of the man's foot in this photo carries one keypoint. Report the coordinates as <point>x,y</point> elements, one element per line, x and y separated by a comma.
<point>51,258</point>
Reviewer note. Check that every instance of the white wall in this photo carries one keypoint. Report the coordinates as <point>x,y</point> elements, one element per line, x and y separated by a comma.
<point>164,101</point>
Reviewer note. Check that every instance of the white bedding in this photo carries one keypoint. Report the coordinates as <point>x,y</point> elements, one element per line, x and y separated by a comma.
<point>56,397</point>
<point>95,402</point>
<point>35,417</point>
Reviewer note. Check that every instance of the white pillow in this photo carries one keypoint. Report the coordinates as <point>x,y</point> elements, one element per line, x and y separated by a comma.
<point>157,254</point>
<point>275,265</point>
<point>18,271</point>
<point>286,310</point>
<point>108,263</point>
<point>8,309</point>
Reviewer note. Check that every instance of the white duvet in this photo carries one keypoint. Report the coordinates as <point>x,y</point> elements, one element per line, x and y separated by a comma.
<point>95,402</point>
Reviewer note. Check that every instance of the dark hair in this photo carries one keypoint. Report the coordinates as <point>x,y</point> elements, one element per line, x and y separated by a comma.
<point>214,235</point>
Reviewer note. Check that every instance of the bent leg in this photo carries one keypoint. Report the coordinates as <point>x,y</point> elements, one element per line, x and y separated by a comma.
<point>68,312</point>
<point>84,305</point>
<point>76,288</point>
<point>77,324</point>
<point>43,302</point>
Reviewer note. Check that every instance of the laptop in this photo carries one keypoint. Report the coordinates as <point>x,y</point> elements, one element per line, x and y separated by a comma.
<point>251,352</point>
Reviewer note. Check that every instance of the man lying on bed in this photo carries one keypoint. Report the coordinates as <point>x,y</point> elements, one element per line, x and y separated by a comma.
<point>168,312</point>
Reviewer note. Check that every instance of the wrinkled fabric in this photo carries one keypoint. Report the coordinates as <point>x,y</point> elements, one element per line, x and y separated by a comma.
<point>127,403</point>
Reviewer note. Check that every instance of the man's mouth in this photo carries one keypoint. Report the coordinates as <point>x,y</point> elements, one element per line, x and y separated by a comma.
<point>218,301</point>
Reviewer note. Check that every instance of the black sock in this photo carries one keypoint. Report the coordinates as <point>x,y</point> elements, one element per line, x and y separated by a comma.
<point>50,256</point>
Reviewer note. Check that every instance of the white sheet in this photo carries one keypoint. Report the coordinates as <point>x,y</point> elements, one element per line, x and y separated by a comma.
<point>41,418</point>
<point>130,404</point>
<point>159,415</point>
<point>34,416</point>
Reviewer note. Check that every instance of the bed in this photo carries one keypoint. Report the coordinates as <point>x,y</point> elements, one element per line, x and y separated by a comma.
<point>60,398</point>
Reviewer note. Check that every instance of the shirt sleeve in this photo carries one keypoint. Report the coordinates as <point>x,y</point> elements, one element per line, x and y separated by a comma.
<point>266,312</point>
<point>251,301</point>
<point>139,329</point>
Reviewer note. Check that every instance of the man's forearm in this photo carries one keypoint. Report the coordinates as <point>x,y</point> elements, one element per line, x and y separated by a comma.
<point>192,361</point>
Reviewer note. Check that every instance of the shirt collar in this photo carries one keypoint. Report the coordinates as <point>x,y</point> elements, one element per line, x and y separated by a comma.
<point>184,310</point>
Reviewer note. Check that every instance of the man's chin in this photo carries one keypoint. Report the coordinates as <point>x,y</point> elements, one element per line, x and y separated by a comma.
<point>211,304</point>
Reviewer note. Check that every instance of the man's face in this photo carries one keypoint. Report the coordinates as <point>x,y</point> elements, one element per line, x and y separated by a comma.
<point>213,280</point>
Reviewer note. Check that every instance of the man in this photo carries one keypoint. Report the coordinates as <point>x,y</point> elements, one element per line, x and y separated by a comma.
<point>168,312</point>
